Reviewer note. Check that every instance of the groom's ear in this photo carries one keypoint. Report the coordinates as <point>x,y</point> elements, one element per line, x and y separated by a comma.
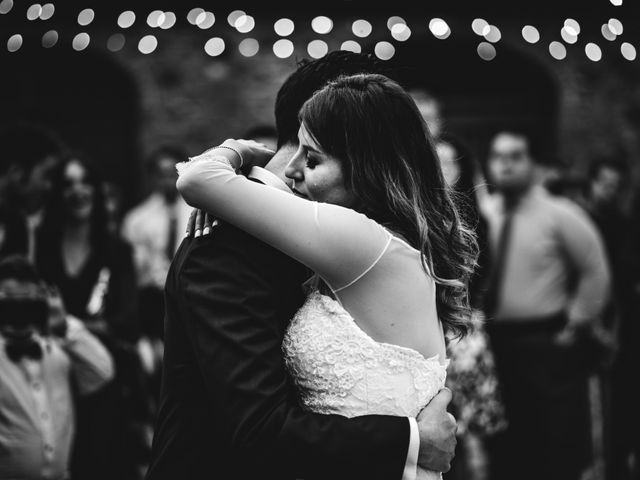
<point>278,163</point>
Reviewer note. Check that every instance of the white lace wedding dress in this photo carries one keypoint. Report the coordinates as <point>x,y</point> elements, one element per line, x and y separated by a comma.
<point>339,369</point>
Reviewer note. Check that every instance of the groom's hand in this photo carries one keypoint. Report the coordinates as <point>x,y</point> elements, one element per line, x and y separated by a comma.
<point>437,434</point>
<point>253,154</point>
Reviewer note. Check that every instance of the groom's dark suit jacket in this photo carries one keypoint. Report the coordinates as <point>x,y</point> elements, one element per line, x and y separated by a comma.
<point>228,409</point>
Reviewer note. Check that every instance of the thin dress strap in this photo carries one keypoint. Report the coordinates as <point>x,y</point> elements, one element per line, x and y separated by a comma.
<point>384,250</point>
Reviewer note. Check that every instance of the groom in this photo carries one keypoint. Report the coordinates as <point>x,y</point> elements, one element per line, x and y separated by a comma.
<point>228,409</point>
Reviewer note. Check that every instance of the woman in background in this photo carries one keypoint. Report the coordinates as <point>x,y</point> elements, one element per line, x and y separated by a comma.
<point>94,272</point>
<point>462,174</point>
<point>472,376</point>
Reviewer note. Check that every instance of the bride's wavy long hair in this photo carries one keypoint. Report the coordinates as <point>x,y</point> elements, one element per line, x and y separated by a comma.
<point>373,126</point>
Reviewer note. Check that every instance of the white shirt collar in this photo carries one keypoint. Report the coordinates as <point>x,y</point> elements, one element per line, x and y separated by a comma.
<point>268,178</point>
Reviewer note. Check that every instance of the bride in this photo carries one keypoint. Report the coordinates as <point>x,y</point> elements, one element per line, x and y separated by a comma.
<point>373,218</point>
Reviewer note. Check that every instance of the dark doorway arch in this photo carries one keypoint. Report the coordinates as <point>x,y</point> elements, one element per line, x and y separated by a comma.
<point>480,97</point>
<point>87,98</point>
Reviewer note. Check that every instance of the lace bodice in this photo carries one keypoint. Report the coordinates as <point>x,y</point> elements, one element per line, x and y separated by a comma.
<point>339,369</point>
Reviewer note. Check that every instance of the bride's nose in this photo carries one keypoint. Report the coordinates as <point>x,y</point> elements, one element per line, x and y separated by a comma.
<point>294,167</point>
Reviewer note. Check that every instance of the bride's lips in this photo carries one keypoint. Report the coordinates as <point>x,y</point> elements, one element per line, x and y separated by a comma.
<point>298,193</point>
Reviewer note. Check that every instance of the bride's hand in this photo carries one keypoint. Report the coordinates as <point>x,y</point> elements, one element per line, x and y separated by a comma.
<point>200,223</point>
<point>252,153</point>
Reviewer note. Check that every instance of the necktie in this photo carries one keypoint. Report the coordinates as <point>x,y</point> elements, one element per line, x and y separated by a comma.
<point>492,295</point>
<point>171,234</point>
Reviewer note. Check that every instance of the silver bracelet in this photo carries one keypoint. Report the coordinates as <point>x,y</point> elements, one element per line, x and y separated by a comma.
<point>237,152</point>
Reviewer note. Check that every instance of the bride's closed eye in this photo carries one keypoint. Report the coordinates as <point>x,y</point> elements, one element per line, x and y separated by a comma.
<point>311,162</point>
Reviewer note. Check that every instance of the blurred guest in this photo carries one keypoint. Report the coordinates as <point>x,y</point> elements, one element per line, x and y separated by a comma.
<point>463,175</point>
<point>547,288</point>
<point>607,182</point>
<point>94,271</point>
<point>430,108</point>
<point>570,185</point>
<point>265,134</point>
<point>604,202</point>
<point>46,356</point>
<point>553,175</point>
<point>13,232</point>
<point>472,377</point>
<point>113,200</point>
<point>155,229</point>
<point>27,157</point>
<point>626,447</point>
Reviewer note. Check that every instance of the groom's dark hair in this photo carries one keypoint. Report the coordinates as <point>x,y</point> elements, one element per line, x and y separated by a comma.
<point>312,75</point>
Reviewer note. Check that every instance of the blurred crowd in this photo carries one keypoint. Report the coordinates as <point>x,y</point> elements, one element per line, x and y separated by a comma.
<point>542,387</point>
<point>550,362</point>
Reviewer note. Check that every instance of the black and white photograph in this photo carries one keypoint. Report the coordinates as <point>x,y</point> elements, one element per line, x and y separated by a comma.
<point>338,240</point>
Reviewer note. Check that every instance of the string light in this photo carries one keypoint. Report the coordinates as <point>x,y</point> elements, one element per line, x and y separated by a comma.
<point>47,11</point>
<point>49,39</point>
<point>214,46</point>
<point>493,35</point>
<point>116,42</point>
<point>401,32</point>
<point>439,28</point>
<point>557,50</point>
<point>283,48</point>
<point>147,44</point>
<point>86,16</point>
<point>126,19</point>
<point>569,34</point>
<point>615,26</point>
<point>249,47</point>
<point>530,34</point>
<point>14,43</point>
<point>351,46</point>
<point>322,25</point>
<point>486,51</point>
<point>628,51</point>
<point>155,18</point>
<point>395,21</point>
<point>34,11</point>
<point>205,20</point>
<point>284,27</point>
<point>6,6</point>
<point>572,27</point>
<point>80,41</point>
<point>193,15</point>
<point>169,20</point>
<point>593,52</point>
<point>384,50</point>
<point>245,23</point>
<point>234,16</point>
<point>361,28</point>
<point>480,27</point>
<point>317,48</point>
<point>607,33</point>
